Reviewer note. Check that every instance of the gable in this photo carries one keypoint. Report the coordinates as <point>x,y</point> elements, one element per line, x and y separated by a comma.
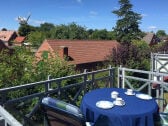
<point>7,35</point>
<point>148,38</point>
<point>45,47</point>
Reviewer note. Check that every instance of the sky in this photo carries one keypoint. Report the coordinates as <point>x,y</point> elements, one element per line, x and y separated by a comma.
<point>91,14</point>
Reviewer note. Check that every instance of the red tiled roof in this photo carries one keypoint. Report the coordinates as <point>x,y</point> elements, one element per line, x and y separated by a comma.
<point>6,35</point>
<point>82,51</point>
<point>19,39</point>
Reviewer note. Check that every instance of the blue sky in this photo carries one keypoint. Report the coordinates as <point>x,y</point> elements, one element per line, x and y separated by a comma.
<point>94,14</point>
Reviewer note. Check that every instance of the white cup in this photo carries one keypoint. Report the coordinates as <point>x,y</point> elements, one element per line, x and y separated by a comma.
<point>129,91</point>
<point>114,94</point>
<point>119,101</point>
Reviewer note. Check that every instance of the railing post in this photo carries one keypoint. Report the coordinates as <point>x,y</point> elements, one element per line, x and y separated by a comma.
<point>59,88</point>
<point>49,85</point>
<point>149,85</point>
<point>161,94</point>
<point>85,80</point>
<point>93,81</point>
<point>121,76</point>
<point>111,75</point>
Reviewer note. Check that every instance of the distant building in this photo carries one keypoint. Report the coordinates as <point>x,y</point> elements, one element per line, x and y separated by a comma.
<point>19,41</point>
<point>151,39</point>
<point>84,54</point>
<point>7,37</point>
<point>164,39</point>
<point>3,46</point>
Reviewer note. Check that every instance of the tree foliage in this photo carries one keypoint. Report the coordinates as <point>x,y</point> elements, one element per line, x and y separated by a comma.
<point>162,47</point>
<point>72,31</point>
<point>100,35</point>
<point>21,68</point>
<point>36,38</point>
<point>14,68</point>
<point>46,27</point>
<point>135,55</point>
<point>127,26</point>
<point>161,33</point>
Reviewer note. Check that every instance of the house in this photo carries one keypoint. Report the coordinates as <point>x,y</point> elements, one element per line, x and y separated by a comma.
<point>19,40</point>
<point>8,36</point>
<point>151,39</point>
<point>3,46</point>
<point>164,39</point>
<point>84,54</point>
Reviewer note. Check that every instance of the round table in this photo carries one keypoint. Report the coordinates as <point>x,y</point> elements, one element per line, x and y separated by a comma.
<point>135,112</point>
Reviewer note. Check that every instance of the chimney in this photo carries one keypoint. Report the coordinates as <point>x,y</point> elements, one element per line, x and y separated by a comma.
<point>63,51</point>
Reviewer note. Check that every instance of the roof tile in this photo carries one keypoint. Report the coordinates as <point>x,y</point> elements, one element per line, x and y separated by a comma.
<point>84,51</point>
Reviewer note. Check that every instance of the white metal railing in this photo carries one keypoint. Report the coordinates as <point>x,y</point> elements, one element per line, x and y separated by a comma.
<point>125,78</point>
<point>7,119</point>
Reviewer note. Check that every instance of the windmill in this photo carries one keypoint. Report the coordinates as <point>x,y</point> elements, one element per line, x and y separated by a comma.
<point>23,20</point>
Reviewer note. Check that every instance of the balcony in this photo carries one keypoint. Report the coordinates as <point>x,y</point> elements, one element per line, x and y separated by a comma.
<point>86,81</point>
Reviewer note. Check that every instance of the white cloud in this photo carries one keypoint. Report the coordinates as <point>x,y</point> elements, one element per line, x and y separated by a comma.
<point>36,22</point>
<point>144,15</point>
<point>116,8</point>
<point>152,27</point>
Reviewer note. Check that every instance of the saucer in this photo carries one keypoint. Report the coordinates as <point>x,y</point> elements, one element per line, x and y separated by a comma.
<point>119,104</point>
<point>104,104</point>
<point>144,96</point>
<point>129,93</point>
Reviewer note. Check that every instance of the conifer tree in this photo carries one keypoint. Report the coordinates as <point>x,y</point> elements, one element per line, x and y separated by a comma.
<point>127,26</point>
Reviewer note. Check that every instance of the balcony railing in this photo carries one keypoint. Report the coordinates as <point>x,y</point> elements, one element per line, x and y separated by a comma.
<point>6,119</point>
<point>88,81</point>
<point>127,79</point>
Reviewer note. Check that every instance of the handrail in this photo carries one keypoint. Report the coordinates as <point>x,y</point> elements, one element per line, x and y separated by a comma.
<point>47,84</point>
<point>88,78</point>
<point>8,118</point>
<point>151,80</point>
<point>124,81</point>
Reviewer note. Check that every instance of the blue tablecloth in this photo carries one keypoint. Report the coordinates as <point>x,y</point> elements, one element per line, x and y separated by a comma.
<point>135,112</point>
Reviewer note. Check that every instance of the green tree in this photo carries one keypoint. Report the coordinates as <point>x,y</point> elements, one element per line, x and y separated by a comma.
<point>127,26</point>
<point>21,68</point>
<point>161,33</point>
<point>17,68</point>
<point>100,34</point>
<point>25,29</point>
<point>3,29</point>
<point>77,32</point>
<point>135,55</point>
<point>60,32</point>
<point>46,27</point>
<point>36,38</point>
<point>71,31</point>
